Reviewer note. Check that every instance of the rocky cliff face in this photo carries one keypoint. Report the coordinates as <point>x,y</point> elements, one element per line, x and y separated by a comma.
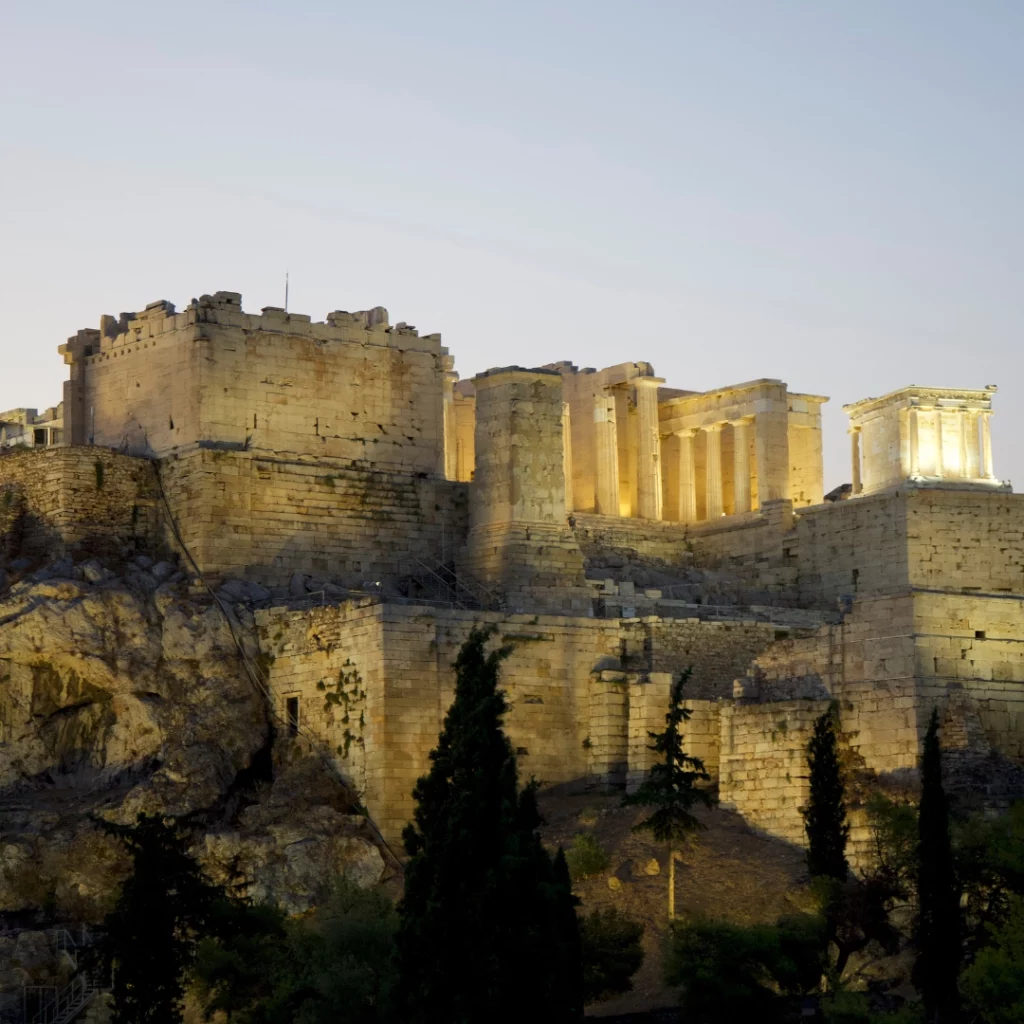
<point>124,691</point>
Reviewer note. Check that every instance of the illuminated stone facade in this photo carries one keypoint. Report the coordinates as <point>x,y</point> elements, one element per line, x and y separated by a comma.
<point>922,435</point>
<point>616,530</point>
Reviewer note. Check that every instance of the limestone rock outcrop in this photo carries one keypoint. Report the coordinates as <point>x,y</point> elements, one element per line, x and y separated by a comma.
<point>122,691</point>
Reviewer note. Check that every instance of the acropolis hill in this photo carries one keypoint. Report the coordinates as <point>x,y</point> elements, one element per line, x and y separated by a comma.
<point>358,508</point>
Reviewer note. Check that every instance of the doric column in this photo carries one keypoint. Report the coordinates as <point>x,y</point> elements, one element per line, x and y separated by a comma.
<point>607,454</point>
<point>963,416</point>
<point>648,448</point>
<point>973,465</point>
<point>771,440</point>
<point>713,467</point>
<point>741,465</point>
<point>451,465</point>
<point>986,447</point>
<point>687,479</point>
<point>567,456</point>
<point>858,485</point>
<point>940,467</point>
<point>915,442</point>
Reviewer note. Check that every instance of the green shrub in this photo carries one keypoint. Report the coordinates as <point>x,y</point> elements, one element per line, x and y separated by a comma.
<point>586,857</point>
<point>612,953</point>
<point>729,972</point>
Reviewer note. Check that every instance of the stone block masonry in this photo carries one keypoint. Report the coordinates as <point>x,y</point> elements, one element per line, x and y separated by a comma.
<point>581,698</point>
<point>246,513</point>
<point>58,499</point>
<point>351,388</point>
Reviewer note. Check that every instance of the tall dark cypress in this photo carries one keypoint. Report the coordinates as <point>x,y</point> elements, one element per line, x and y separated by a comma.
<point>150,938</point>
<point>479,937</point>
<point>938,924</point>
<point>825,813</point>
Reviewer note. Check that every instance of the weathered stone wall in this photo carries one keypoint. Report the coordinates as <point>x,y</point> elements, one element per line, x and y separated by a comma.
<point>269,517</point>
<point>852,547</point>
<point>581,691</point>
<point>948,539</point>
<point>965,540</point>
<point>330,660</point>
<point>352,388</point>
<point>519,541</point>
<point>717,652</point>
<point>763,763</point>
<point>52,499</point>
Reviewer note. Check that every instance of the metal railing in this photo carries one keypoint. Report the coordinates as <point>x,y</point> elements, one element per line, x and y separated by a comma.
<point>50,1004</point>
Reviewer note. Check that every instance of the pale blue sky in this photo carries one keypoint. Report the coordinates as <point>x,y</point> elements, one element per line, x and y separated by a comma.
<point>826,192</point>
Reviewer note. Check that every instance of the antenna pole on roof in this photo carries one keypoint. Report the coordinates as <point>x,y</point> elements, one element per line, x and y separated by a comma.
<point>286,291</point>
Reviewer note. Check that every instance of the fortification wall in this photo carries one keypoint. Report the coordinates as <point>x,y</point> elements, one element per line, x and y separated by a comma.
<point>965,540</point>
<point>581,696</point>
<point>269,517</point>
<point>352,388</point>
<point>54,499</point>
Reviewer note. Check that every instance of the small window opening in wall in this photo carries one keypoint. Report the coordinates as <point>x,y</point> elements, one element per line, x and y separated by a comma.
<point>254,421</point>
<point>170,422</point>
<point>316,426</point>
<point>856,576</point>
<point>979,634</point>
<point>292,715</point>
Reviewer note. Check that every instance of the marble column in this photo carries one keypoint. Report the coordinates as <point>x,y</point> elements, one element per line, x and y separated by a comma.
<point>607,454</point>
<point>963,416</point>
<point>648,448</point>
<point>741,466</point>
<point>567,457</point>
<point>940,466</point>
<point>713,469</point>
<point>858,485</point>
<point>973,465</point>
<point>448,385</point>
<point>687,479</point>
<point>986,447</point>
<point>915,443</point>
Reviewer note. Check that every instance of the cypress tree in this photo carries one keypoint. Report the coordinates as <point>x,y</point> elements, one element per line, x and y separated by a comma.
<point>671,786</point>
<point>938,923</point>
<point>151,936</point>
<point>825,813</point>
<point>483,933</point>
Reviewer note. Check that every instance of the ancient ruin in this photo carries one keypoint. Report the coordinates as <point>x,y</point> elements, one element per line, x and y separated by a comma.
<point>338,479</point>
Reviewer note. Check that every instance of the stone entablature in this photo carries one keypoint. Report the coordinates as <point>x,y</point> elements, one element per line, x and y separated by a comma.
<point>922,435</point>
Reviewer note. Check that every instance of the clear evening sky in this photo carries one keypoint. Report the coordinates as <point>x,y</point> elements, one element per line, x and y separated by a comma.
<point>825,192</point>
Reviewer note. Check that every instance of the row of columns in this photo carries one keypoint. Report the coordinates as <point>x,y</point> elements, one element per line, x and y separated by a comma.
<point>974,455</point>
<point>713,490</point>
<point>649,477</point>
<point>974,447</point>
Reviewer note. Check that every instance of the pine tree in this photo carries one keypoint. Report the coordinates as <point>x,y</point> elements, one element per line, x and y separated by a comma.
<point>938,924</point>
<point>483,929</point>
<point>151,935</point>
<point>825,813</point>
<point>671,787</point>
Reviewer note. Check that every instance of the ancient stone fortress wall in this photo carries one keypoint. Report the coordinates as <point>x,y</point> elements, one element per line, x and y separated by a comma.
<point>351,388</point>
<point>266,517</point>
<point>519,541</point>
<point>372,683</point>
<point>55,499</point>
